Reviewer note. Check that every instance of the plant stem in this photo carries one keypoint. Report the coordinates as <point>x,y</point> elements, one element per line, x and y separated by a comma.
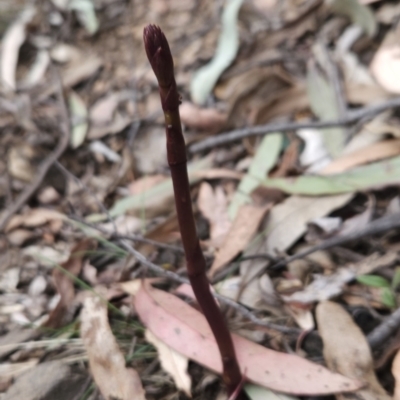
<point>160,57</point>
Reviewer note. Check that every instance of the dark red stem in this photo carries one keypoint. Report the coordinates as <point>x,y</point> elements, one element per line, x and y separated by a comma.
<point>160,57</point>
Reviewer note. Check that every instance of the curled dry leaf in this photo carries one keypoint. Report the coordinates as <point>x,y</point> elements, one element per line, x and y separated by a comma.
<point>64,284</point>
<point>106,360</point>
<point>186,330</point>
<point>346,350</point>
<point>243,228</point>
<point>208,119</point>
<point>172,362</point>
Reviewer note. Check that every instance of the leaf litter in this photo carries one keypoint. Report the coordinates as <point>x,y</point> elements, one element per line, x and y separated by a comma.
<point>257,200</point>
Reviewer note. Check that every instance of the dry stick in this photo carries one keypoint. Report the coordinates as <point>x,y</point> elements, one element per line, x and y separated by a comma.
<point>44,167</point>
<point>384,330</point>
<point>160,57</point>
<point>380,225</point>
<point>350,118</point>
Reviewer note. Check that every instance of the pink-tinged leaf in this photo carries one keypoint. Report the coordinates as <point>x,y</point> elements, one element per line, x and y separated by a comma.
<point>185,330</point>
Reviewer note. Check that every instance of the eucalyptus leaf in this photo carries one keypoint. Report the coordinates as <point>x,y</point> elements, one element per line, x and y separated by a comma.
<point>79,121</point>
<point>264,160</point>
<point>86,14</point>
<point>375,175</point>
<point>255,392</point>
<point>360,14</point>
<point>373,280</point>
<point>206,77</point>
<point>324,104</point>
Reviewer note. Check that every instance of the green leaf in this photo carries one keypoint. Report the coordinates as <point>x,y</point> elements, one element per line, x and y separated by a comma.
<point>388,298</point>
<point>379,174</point>
<point>360,14</point>
<point>79,122</point>
<point>86,14</point>
<point>323,103</point>
<point>256,392</point>
<point>373,280</point>
<point>206,77</point>
<point>396,279</point>
<point>263,161</point>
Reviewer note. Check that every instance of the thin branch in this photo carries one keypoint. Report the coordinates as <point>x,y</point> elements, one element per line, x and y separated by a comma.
<point>384,330</point>
<point>352,117</point>
<point>380,225</point>
<point>44,167</point>
<point>135,238</point>
<point>222,299</point>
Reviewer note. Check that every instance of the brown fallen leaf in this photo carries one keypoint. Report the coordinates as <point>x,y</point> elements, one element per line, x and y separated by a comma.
<point>374,152</point>
<point>213,204</point>
<point>172,362</point>
<point>208,119</point>
<point>346,351</point>
<point>288,220</point>
<point>396,374</point>
<point>65,284</point>
<point>186,330</point>
<point>243,228</point>
<point>33,218</point>
<point>106,360</point>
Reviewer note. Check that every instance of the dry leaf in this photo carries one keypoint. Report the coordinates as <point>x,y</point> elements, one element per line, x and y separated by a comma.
<point>172,362</point>
<point>185,329</point>
<point>65,284</point>
<point>323,287</point>
<point>106,361</point>
<point>347,351</point>
<point>288,220</point>
<point>33,218</point>
<point>214,206</point>
<point>101,113</point>
<point>373,152</point>
<point>243,228</point>
<point>396,375</point>
<point>209,119</point>
<point>218,173</point>
<point>145,183</point>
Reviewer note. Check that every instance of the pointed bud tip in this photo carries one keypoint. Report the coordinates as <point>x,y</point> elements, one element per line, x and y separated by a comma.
<point>159,54</point>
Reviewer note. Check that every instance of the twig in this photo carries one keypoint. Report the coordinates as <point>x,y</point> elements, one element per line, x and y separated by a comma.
<point>46,164</point>
<point>351,118</point>
<point>160,57</point>
<point>222,299</point>
<point>135,238</point>
<point>384,330</point>
<point>378,226</point>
